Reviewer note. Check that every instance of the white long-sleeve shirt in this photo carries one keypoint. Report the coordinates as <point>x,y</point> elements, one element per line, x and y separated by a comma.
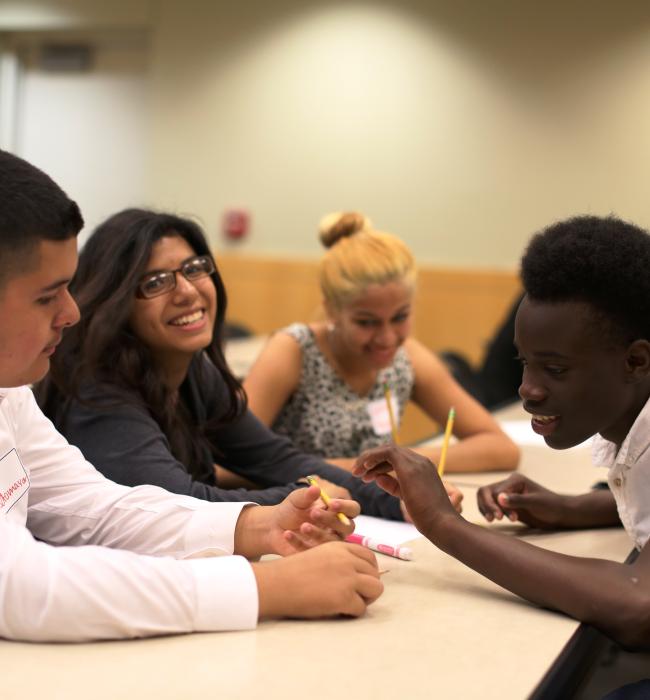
<point>155,572</point>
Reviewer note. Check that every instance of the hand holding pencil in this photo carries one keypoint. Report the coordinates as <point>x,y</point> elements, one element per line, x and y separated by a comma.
<point>324,496</point>
<point>297,523</point>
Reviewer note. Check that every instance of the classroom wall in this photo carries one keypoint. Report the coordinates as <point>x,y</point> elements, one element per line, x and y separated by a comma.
<point>87,128</point>
<point>86,125</point>
<point>453,309</point>
<point>461,126</point>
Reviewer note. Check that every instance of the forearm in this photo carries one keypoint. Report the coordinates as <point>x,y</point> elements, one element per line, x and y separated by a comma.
<point>343,462</point>
<point>229,480</point>
<point>483,452</point>
<point>88,593</point>
<point>594,509</point>
<point>595,591</point>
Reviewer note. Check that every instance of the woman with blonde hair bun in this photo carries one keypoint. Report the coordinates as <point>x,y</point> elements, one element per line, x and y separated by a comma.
<point>323,384</point>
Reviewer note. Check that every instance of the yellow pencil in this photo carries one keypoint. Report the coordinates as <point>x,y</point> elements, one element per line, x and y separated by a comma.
<point>391,415</point>
<point>313,481</point>
<point>445,442</point>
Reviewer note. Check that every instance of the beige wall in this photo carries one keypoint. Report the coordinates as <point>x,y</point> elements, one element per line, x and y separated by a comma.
<point>462,126</point>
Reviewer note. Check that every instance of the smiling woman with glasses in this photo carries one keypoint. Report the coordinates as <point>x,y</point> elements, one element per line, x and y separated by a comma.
<point>141,384</point>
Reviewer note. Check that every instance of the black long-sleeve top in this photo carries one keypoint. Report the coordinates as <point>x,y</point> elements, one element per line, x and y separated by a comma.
<point>120,437</point>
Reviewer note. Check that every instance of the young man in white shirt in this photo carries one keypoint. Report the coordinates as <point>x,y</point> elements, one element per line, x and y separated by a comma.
<point>130,561</point>
<point>583,335</point>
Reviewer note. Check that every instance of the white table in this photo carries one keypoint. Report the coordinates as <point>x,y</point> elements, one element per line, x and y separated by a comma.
<point>440,630</point>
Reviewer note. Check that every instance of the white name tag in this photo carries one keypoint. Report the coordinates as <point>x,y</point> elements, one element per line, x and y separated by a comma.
<point>14,482</point>
<point>379,416</point>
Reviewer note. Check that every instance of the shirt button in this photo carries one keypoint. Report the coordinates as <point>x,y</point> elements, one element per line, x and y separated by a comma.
<point>617,482</point>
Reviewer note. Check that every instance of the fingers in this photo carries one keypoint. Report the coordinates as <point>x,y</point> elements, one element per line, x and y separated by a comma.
<point>302,499</point>
<point>328,518</point>
<point>455,496</point>
<point>407,465</point>
<point>309,536</point>
<point>487,496</point>
<point>369,588</point>
<point>366,582</point>
<point>333,490</point>
<point>346,506</point>
<point>322,526</point>
<point>298,544</point>
<point>389,484</point>
<point>513,502</point>
<point>488,505</point>
<point>363,558</point>
<point>378,459</point>
<point>405,513</point>
<point>355,606</point>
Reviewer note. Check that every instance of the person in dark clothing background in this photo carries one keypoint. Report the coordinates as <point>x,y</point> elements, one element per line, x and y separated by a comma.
<point>496,382</point>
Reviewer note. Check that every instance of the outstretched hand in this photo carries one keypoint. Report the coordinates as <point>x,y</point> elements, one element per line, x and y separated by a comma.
<point>416,482</point>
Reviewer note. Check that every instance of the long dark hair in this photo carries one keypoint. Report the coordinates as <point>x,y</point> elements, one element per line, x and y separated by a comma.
<point>103,349</point>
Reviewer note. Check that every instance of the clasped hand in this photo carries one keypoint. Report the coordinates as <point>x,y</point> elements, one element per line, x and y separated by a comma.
<point>520,498</point>
<point>300,522</point>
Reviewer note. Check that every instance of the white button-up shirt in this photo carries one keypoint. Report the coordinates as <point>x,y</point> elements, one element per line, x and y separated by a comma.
<point>156,571</point>
<point>629,475</point>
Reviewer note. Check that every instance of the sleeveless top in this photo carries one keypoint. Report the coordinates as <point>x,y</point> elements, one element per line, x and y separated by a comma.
<point>324,416</point>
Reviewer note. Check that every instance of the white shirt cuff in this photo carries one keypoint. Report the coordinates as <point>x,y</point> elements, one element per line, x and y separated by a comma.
<point>226,591</point>
<point>211,531</point>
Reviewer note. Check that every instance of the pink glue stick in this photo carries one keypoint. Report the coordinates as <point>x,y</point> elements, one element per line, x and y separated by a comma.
<point>376,546</point>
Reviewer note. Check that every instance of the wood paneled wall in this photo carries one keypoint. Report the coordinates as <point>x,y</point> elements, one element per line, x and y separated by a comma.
<point>455,309</point>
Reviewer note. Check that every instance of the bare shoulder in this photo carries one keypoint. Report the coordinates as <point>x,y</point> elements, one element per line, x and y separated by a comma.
<point>281,350</point>
<point>281,341</point>
<point>423,359</point>
<point>273,376</point>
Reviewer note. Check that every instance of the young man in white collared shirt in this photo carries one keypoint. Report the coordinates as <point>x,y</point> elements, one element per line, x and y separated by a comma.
<point>130,561</point>
<point>583,336</point>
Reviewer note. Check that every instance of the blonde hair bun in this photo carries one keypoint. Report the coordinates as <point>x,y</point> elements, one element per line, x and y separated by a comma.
<point>341,224</point>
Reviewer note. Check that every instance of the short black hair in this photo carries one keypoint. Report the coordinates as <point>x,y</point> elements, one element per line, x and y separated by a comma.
<point>32,208</point>
<point>602,261</point>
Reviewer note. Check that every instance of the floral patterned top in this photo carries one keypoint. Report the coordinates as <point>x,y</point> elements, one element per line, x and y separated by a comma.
<point>324,416</point>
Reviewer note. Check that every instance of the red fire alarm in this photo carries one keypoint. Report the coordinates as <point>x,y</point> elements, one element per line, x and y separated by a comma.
<point>236,223</point>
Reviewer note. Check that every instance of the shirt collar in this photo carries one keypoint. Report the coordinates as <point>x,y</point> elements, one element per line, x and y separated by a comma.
<point>604,452</point>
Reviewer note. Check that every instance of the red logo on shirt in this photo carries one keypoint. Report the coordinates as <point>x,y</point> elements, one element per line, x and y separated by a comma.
<point>14,480</point>
<point>5,496</point>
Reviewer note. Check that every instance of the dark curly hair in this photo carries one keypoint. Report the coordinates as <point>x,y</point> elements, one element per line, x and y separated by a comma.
<point>602,261</point>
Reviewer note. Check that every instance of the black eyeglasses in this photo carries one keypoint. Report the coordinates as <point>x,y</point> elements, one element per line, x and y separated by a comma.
<point>156,283</point>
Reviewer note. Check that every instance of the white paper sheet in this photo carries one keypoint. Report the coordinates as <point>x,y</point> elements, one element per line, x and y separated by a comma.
<point>391,532</point>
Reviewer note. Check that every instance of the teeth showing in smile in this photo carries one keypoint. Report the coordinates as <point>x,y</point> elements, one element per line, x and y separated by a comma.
<point>186,320</point>
<point>544,419</point>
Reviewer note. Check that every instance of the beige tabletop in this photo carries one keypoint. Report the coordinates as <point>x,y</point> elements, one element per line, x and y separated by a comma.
<point>439,630</point>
